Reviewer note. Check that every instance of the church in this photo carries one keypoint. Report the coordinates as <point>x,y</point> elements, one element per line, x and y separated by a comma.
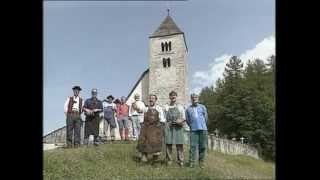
<point>167,66</point>
<point>167,72</point>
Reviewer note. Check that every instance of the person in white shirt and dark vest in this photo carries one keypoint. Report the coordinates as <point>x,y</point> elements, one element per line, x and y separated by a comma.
<point>174,128</point>
<point>92,109</point>
<point>151,136</point>
<point>73,109</point>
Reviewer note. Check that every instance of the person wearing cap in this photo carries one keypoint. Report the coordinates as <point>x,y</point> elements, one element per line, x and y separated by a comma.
<point>122,117</point>
<point>174,131</point>
<point>136,115</point>
<point>197,119</point>
<point>92,109</point>
<point>151,138</point>
<point>73,109</point>
<point>109,111</point>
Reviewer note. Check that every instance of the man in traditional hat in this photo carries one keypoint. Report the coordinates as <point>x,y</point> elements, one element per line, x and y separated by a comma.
<point>92,108</point>
<point>73,109</point>
<point>136,115</point>
<point>151,137</point>
<point>197,119</point>
<point>122,117</point>
<point>174,129</point>
<point>109,110</point>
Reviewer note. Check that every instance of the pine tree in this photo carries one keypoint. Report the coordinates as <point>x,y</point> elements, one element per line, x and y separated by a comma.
<point>242,103</point>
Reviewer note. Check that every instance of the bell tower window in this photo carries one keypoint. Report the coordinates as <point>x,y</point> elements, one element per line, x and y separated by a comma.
<point>168,62</point>
<point>164,61</point>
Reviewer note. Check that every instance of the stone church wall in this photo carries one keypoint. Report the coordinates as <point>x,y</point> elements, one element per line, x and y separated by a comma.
<point>163,80</point>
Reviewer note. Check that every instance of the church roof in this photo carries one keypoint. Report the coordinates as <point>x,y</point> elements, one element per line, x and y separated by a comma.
<point>167,27</point>
<point>141,77</point>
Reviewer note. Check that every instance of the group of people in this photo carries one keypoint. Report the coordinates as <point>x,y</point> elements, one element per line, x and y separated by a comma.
<point>112,112</point>
<point>153,125</point>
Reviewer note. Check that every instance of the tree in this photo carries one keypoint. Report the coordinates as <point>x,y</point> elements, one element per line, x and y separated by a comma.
<point>242,103</point>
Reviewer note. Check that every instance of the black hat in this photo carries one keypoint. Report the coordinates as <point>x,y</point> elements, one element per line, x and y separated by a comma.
<point>117,101</point>
<point>173,93</point>
<point>110,96</point>
<point>76,87</point>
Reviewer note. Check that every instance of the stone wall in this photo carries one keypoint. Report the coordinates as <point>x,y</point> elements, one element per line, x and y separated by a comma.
<point>57,136</point>
<point>222,145</point>
<point>231,147</point>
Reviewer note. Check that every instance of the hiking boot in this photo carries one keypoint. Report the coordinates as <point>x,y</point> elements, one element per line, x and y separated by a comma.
<point>76,145</point>
<point>201,165</point>
<point>169,163</point>
<point>144,158</point>
<point>180,164</point>
<point>191,165</point>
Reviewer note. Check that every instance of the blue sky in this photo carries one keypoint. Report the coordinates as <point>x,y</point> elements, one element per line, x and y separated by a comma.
<point>104,44</point>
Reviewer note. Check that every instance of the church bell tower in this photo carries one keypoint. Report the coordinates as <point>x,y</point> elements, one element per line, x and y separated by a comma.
<point>168,62</point>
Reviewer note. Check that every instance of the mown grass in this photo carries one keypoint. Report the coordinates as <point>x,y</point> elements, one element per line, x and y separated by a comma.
<point>117,161</point>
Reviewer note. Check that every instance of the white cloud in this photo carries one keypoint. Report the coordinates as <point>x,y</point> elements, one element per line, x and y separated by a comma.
<point>201,79</point>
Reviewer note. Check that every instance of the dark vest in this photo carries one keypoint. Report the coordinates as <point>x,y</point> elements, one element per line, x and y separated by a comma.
<point>71,104</point>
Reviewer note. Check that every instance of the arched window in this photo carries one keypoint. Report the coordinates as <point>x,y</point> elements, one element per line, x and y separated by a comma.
<point>166,44</point>
<point>168,62</point>
<point>162,46</point>
<point>164,61</point>
<point>170,46</point>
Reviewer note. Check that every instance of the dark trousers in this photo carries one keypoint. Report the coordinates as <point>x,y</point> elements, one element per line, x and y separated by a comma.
<point>73,129</point>
<point>198,139</point>
<point>92,126</point>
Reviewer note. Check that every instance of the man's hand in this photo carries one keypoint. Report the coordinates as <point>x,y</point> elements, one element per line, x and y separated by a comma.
<point>180,122</point>
<point>89,112</point>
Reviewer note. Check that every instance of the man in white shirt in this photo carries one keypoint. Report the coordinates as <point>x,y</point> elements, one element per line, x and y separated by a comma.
<point>151,137</point>
<point>136,115</point>
<point>73,109</point>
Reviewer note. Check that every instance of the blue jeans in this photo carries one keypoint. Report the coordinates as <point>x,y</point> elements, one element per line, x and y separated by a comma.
<point>123,122</point>
<point>198,139</point>
<point>136,125</point>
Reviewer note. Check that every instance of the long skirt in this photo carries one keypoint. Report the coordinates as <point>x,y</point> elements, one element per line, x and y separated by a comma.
<point>151,139</point>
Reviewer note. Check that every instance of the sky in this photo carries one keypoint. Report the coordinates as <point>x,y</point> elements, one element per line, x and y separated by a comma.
<point>105,44</point>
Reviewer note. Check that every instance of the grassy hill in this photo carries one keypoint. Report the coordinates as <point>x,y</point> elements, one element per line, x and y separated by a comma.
<point>117,161</point>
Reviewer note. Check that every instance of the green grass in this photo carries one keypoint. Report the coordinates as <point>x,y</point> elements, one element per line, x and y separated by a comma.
<point>117,161</point>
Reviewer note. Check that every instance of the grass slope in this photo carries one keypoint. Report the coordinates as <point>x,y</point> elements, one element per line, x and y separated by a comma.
<point>117,161</point>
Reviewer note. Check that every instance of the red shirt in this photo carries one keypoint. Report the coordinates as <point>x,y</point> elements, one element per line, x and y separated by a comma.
<point>122,110</point>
